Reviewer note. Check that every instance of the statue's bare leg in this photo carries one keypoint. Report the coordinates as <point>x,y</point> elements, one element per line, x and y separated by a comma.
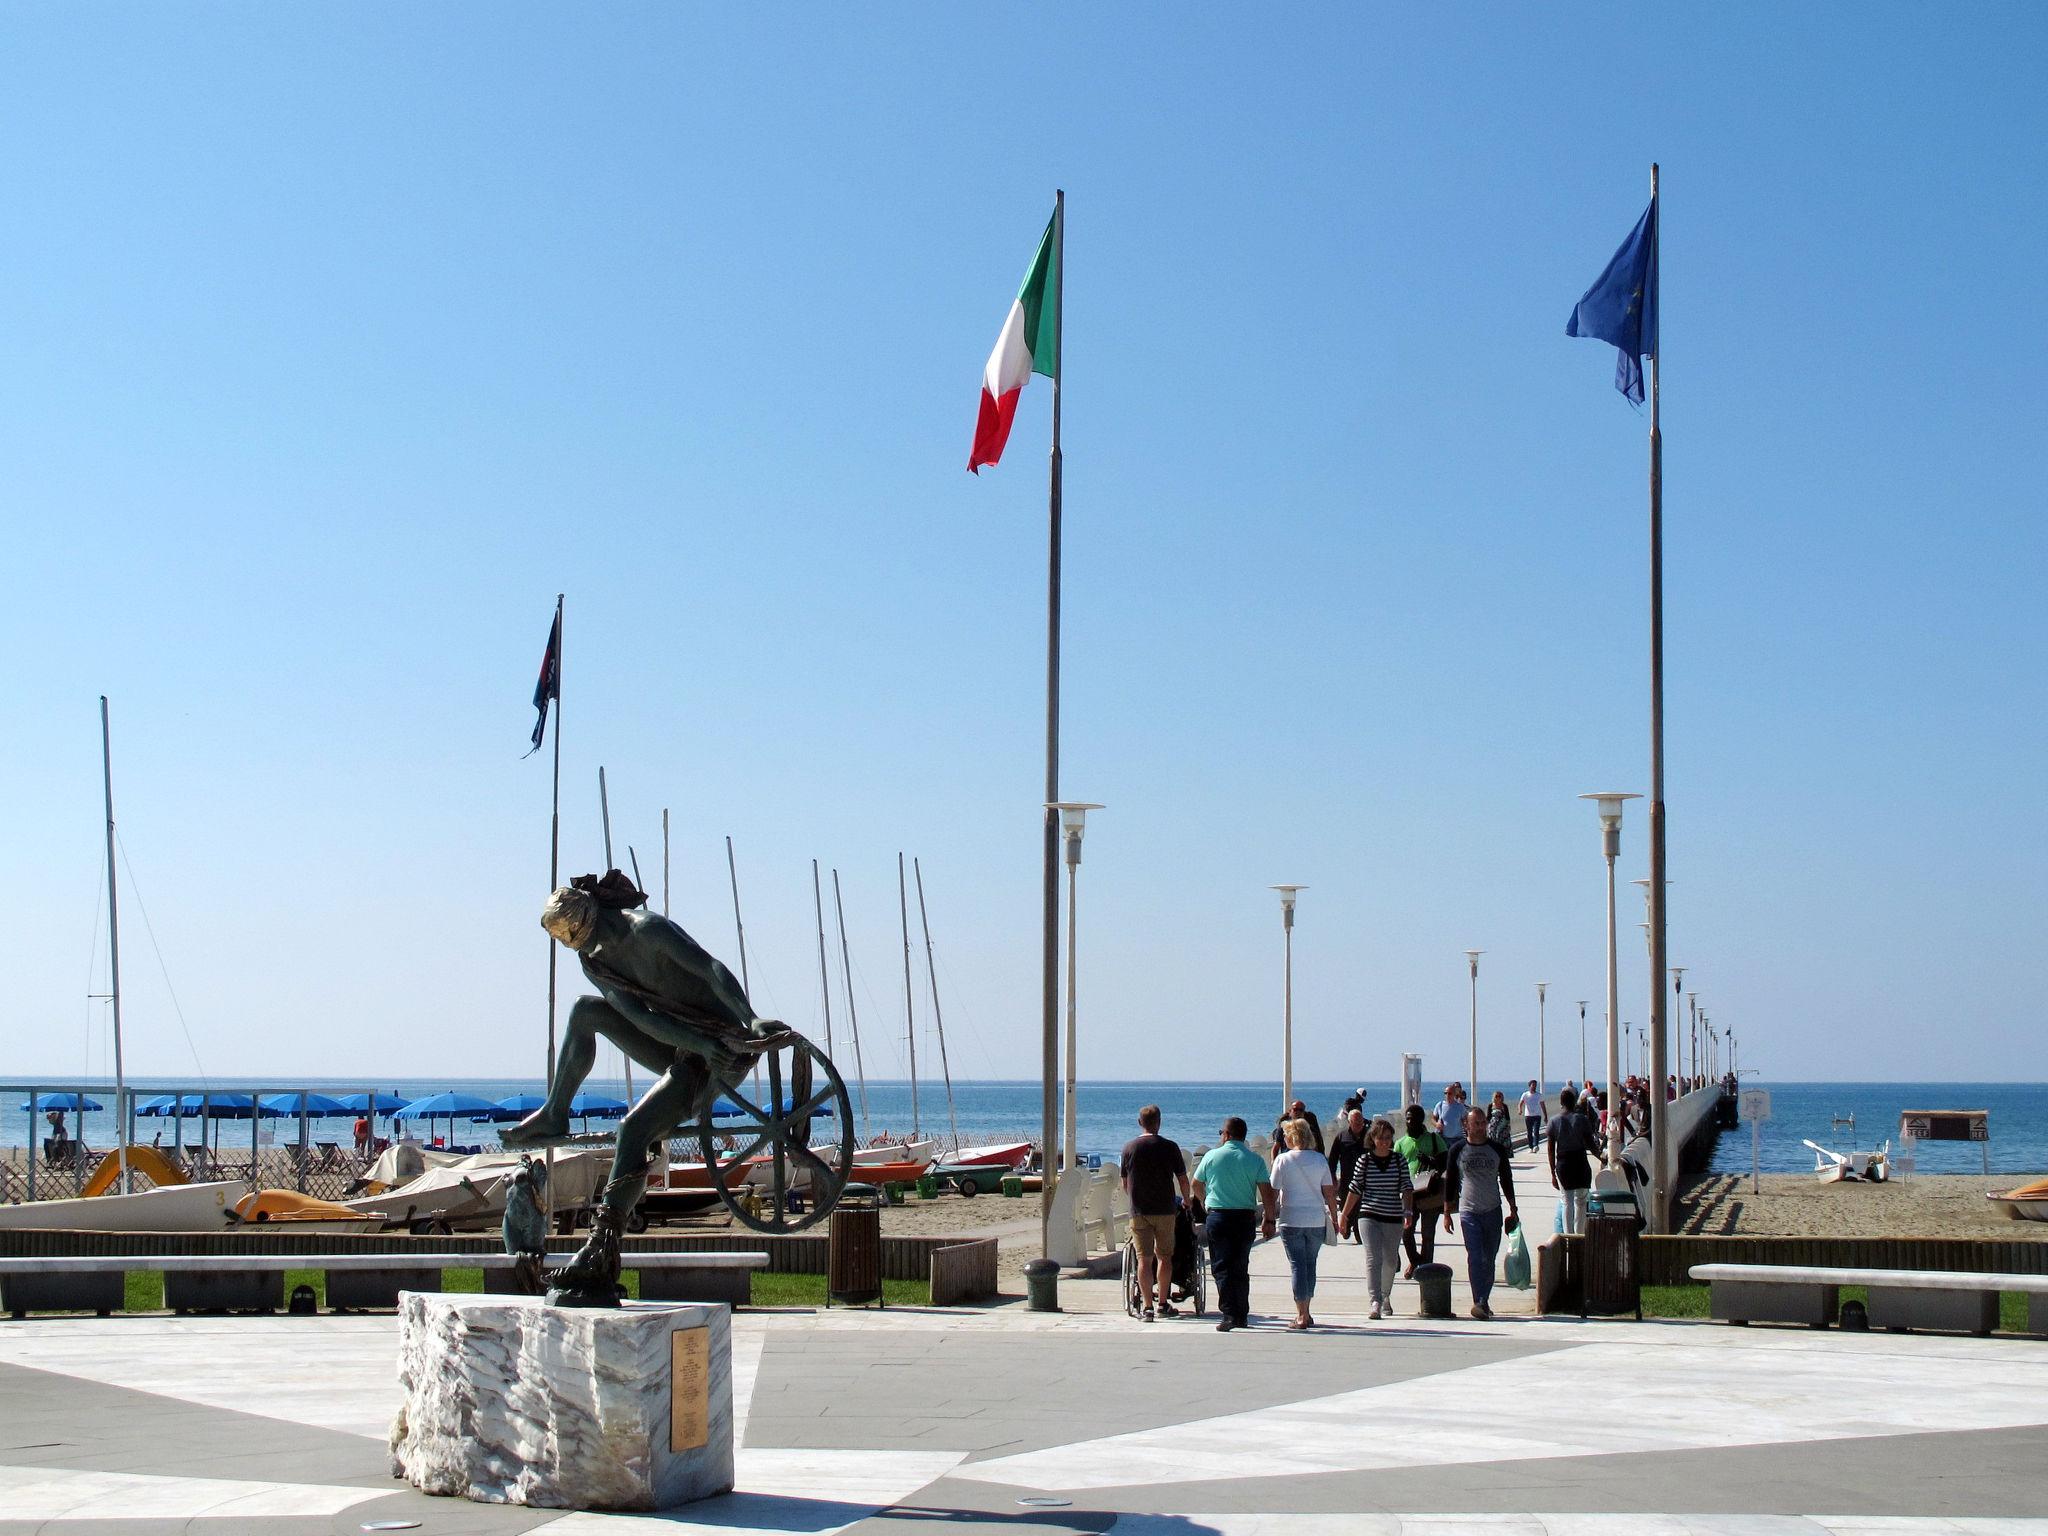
<point>592,1276</point>
<point>675,1097</point>
<point>589,1018</point>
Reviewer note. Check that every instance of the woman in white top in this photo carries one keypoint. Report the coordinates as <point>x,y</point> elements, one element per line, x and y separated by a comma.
<point>1308,1202</point>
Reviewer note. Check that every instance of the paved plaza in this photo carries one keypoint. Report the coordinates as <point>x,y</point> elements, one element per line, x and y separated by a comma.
<point>894,1421</point>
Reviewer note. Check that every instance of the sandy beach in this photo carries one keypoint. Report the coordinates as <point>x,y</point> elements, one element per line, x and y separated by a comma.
<point>1796,1205</point>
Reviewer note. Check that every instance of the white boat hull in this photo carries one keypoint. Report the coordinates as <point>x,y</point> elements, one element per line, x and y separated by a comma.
<point>896,1152</point>
<point>1013,1154</point>
<point>2021,1210</point>
<point>174,1208</point>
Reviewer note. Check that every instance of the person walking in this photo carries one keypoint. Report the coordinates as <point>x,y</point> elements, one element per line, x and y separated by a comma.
<point>1308,1205</point>
<point>1427,1155</point>
<point>1572,1138</point>
<point>1380,1203</point>
<point>1480,1180</point>
<point>1450,1112</point>
<point>1533,1113</point>
<point>1346,1147</point>
<point>1499,1127</point>
<point>1297,1111</point>
<point>1154,1171</point>
<point>1232,1184</point>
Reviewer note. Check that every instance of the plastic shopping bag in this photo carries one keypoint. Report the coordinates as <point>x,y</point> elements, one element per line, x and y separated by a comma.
<point>1557,1217</point>
<point>1516,1268</point>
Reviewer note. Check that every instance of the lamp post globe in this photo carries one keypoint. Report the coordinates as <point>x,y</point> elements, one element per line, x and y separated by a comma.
<point>1472,961</point>
<point>1073,823</point>
<point>1609,804</point>
<point>1288,895</point>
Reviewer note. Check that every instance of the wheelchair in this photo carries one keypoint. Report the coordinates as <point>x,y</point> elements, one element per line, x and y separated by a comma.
<point>1190,1285</point>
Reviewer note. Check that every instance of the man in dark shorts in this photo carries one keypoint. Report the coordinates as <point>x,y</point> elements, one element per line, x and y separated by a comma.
<point>1573,1146</point>
<point>1153,1171</point>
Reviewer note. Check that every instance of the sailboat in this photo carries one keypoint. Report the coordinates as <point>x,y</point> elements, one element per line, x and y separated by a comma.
<point>109,1201</point>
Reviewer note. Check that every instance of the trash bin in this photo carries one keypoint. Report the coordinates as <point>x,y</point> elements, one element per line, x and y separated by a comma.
<point>1013,1187</point>
<point>927,1187</point>
<point>1435,1280</point>
<point>853,1257</point>
<point>1042,1285</point>
<point>1611,1282</point>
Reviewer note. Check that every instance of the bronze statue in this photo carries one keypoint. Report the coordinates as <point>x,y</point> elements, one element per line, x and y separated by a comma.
<point>526,1227</point>
<point>678,1012</point>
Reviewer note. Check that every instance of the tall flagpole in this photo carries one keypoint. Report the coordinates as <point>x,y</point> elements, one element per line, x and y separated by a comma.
<point>121,1116</point>
<point>554,884</point>
<point>1663,1156</point>
<point>1049,960</point>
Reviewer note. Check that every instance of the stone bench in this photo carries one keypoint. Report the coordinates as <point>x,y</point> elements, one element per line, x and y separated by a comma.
<point>255,1281</point>
<point>1898,1299</point>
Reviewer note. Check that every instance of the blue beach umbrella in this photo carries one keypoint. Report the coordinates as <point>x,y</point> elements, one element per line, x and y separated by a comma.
<point>361,1103</point>
<point>597,1106</point>
<point>318,1105</point>
<point>725,1109</point>
<point>517,1107</point>
<point>232,1106</point>
<point>75,1102</point>
<point>168,1104</point>
<point>444,1106</point>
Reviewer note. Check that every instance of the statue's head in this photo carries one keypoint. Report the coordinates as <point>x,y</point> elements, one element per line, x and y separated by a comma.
<point>571,917</point>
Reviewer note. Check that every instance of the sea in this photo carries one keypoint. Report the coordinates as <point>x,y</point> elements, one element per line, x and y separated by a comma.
<point>1841,1116</point>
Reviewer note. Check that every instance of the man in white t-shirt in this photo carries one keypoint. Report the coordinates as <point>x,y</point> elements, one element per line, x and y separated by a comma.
<point>1533,1114</point>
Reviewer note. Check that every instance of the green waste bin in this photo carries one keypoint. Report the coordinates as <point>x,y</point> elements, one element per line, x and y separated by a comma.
<point>927,1187</point>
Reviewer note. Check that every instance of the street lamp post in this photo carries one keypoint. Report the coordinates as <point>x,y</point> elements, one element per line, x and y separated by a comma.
<point>1472,960</point>
<point>1542,1046</point>
<point>1287,898</point>
<point>1582,1044</point>
<point>1692,1017</point>
<point>1609,804</point>
<point>1073,821</point>
<point>1678,1013</point>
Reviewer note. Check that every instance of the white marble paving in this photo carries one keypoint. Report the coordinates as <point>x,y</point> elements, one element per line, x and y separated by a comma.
<point>806,1493</point>
<point>1677,1398</point>
<point>64,1493</point>
<point>337,1373</point>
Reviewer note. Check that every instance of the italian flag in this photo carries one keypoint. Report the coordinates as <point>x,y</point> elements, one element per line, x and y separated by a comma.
<point>1029,344</point>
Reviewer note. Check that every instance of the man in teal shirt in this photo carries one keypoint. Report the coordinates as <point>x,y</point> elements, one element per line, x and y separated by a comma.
<point>1232,1184</point>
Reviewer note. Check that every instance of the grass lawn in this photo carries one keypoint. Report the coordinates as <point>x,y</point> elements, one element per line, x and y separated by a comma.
<point>145,1288</point>
<point>1691,1301</point>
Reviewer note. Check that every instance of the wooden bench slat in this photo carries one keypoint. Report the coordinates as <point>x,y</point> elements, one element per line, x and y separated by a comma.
<point>1896,1279</point>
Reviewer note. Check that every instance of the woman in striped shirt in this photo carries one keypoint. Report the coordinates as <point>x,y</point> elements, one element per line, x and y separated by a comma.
<point>1382,1199</point>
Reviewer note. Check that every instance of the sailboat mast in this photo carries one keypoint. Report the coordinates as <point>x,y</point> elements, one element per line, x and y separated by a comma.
<point>852,1013</point>
<point>931,970</point>
<point>732,868</point>
<point>824,979</point>
<point>113,959</point>
<point>604,806</point>
<point>909,1021</point>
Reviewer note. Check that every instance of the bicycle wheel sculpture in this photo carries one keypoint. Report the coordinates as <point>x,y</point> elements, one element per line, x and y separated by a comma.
<point>781,1172</point>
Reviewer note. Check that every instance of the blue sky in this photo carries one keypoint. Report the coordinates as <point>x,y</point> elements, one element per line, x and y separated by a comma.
<point>339,339</point>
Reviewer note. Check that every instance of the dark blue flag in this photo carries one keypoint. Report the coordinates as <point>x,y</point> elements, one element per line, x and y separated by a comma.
<point>550,684</point>
<point>1621,306</point>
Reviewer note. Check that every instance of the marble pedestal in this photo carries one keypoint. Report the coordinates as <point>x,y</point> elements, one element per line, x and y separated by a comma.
<point>510,1401</point>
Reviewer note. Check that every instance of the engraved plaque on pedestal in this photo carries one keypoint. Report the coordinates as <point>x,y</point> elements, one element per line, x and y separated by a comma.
<point>689,1414</point>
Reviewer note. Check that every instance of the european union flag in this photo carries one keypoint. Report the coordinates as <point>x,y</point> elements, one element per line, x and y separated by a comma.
<point>1621,306</point>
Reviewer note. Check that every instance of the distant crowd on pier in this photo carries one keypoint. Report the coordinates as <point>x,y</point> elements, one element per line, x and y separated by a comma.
<point>1380,1185</point>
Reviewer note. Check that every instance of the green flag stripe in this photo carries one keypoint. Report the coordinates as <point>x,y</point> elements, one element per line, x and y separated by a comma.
<point>1040,297</point>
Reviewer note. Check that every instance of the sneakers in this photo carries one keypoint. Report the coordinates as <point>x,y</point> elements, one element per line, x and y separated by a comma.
<point>1374,1314</point>
<point>1148,1315</point>
<point>1387,1307</point>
